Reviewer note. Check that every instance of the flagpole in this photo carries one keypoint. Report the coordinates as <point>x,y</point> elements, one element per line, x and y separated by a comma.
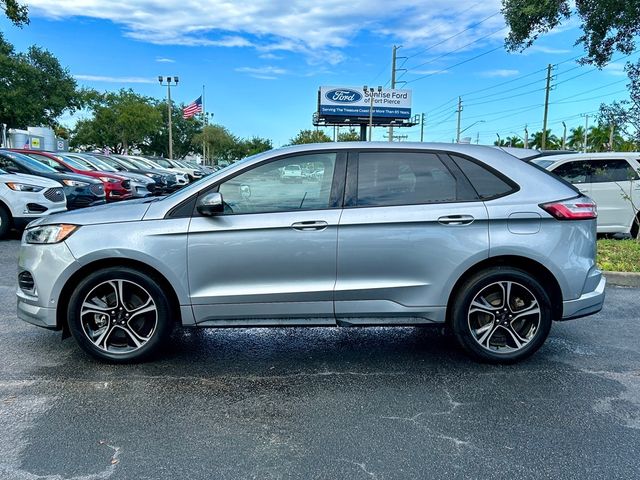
<point>204,124</point>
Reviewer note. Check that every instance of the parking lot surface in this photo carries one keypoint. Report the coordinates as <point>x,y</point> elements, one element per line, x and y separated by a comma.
<point>336,403</point>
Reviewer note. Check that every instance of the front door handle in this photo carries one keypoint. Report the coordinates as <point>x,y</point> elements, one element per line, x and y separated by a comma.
<point>310,225</point>
<point>456,220</point>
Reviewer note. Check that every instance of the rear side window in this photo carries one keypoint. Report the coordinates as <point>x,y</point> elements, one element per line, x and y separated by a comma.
<point>403,178</point>
<point>612,171</point>
<point>574,172</point>
<point>485,182</point>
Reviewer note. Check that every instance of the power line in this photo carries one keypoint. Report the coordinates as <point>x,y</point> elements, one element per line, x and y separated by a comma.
<point>459,33</point>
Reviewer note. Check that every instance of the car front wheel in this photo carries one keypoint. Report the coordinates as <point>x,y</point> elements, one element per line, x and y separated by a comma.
<point>501,315</point>
<point>120,315</point>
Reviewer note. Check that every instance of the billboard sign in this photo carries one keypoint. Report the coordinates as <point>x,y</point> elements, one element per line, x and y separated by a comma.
<point>354,102</point>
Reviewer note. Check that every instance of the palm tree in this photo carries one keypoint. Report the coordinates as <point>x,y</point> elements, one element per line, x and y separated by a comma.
<point>552,142</point>
<point>514,142</point>
<point>576,138</point>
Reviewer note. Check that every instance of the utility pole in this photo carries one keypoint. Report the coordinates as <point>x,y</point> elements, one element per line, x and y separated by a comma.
<point>546,107</point>
<point>394,58</point>
<point>477,138</point>
<point>586,131</point>
<point>422,127</point>
<point>459,119</point>
<point>611,132</point>
<point>526,137</point>
<point>204,124</point>
<point>564,136</point>
<point>168,84</point>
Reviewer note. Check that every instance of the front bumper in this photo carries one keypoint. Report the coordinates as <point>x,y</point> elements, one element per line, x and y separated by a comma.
<point>587,304</point>
<point>50,266</point>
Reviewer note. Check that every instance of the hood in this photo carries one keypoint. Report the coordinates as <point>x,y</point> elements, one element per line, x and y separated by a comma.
<point>126,211</point>
<point>138,177</point>
<point>30,179</point>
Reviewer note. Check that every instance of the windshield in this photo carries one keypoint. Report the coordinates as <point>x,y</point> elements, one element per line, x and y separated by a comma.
<point>137,163</point>
<point>146,163</point>
<point>163,162</point>
<point>104,166</point>
<point>124,161</point>
<point>76,162</point>
<point>30,162</point>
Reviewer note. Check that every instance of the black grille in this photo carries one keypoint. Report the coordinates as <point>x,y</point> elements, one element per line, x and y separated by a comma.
<point>126,184</point>
<point>25,280</point>
<point>97,189</point>
<point>54,194</point>
<point>36,208</point>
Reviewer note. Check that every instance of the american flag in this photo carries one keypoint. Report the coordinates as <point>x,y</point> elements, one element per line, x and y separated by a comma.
<point>193,108</point>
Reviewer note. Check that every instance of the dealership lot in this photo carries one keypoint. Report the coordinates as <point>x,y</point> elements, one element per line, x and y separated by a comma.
<point>379,403</point>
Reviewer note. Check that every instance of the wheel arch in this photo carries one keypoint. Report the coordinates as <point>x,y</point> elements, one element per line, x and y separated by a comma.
<point>77,276</point>
<point>541,273</point>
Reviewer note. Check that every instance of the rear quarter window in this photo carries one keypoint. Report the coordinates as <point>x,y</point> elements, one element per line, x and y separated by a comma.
<point>487,183</point>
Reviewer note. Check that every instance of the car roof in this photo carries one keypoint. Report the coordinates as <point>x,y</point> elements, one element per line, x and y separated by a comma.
<point>593,155</point>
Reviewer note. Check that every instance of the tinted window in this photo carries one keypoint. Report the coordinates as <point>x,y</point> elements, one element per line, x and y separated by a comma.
<point>30,162</point>
<point>48,161</point>
<point>486,183</point>
<point>271,187</point>
<point>6,163</point>
<point>612,171</point>
<point>574,172</point>
<point>403,178</point>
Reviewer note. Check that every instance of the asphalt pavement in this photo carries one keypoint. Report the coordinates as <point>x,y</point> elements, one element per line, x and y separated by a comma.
<point>322,403</point>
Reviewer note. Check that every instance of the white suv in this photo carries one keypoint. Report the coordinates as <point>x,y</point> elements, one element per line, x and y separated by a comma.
<point>611,179</point>
<point>26,197</point>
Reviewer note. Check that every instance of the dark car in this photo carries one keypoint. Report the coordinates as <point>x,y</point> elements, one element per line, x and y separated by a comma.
<point>81,191</point>
<point>164,183</point>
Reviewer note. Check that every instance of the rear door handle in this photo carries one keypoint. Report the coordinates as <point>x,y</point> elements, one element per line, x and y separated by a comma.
<point>456,220</point>
<point>310,225</point>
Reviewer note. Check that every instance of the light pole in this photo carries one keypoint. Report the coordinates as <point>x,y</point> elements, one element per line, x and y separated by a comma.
<point>205,121</point>
<point>464,130</point>
<point>168,82</point>
<point>371,91</point>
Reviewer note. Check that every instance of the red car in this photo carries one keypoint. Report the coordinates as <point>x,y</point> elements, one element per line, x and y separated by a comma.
<point>115,186</point>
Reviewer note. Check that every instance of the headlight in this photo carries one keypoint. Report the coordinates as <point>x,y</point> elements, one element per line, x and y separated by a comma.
<point>24,187</point>
<point>49,233</point>
<point>108,179</point>
<point>74,183</point>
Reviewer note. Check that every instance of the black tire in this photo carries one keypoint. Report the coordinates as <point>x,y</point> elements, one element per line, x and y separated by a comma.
<point>139,283</point>
<point>5,221</point>
<point>635,231</point>
<point>499,324</point>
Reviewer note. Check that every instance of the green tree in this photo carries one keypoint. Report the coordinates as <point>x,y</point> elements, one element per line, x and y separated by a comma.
<point>351,135</point>
<point>514,142</point>
<point>34,88</point>
<point>221,145</point>
<point>309,136</point>
<point>184,131</point>
<point>121,121</point>
<point>17,13</point>
<point>254,145</point>
<point>575,140</point>
<point>552,142</point>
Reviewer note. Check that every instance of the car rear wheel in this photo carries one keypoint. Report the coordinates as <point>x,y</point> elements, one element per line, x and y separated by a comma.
<point>501,315</point>
<point>5,222</point>
<point>120,315</point>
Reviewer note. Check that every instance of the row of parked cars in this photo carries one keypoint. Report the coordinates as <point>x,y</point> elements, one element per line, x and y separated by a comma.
<point>37,183</point>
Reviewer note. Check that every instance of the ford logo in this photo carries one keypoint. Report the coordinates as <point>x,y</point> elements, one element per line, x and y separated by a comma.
<point>343,95</point>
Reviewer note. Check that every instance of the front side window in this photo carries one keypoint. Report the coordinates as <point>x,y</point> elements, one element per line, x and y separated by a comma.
<point>294,183</point>
<point>612,171</point>
<point>574,172</point>
<point>403,178</point>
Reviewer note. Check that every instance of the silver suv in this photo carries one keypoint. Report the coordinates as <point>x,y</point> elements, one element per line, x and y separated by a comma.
<point>415,234</point>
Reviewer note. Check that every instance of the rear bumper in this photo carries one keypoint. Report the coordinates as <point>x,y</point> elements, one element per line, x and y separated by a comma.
<point>587,304</point>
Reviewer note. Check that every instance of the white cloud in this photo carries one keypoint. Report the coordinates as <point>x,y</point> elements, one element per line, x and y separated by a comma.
<point>263,73</point>
<point>271,56</point>
<point>615,69</point>
<point>165,60</point>
<point>545,49</point>
<point>499,73</point>
<point>319,31</point>
<point>108,79</point>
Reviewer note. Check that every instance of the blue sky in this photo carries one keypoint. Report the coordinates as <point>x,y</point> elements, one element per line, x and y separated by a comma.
<point>263,61</point>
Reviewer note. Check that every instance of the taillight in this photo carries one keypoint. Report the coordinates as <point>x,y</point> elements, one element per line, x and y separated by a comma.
<point>581,208</point>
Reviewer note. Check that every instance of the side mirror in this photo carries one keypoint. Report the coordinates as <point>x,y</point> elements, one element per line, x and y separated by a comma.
<point>210,204</point>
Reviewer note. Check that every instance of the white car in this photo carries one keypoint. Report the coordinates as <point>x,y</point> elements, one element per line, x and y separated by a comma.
<point>611,179</point>
<point>291,172</point>
<point>182,178</point>
<point>26,197</point>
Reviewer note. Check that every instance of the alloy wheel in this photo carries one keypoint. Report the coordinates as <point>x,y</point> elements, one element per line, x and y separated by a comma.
<point>119,316</point>
<point>504,317</point>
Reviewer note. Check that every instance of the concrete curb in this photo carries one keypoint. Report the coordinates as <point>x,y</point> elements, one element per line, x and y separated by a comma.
<point>623,279</point>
